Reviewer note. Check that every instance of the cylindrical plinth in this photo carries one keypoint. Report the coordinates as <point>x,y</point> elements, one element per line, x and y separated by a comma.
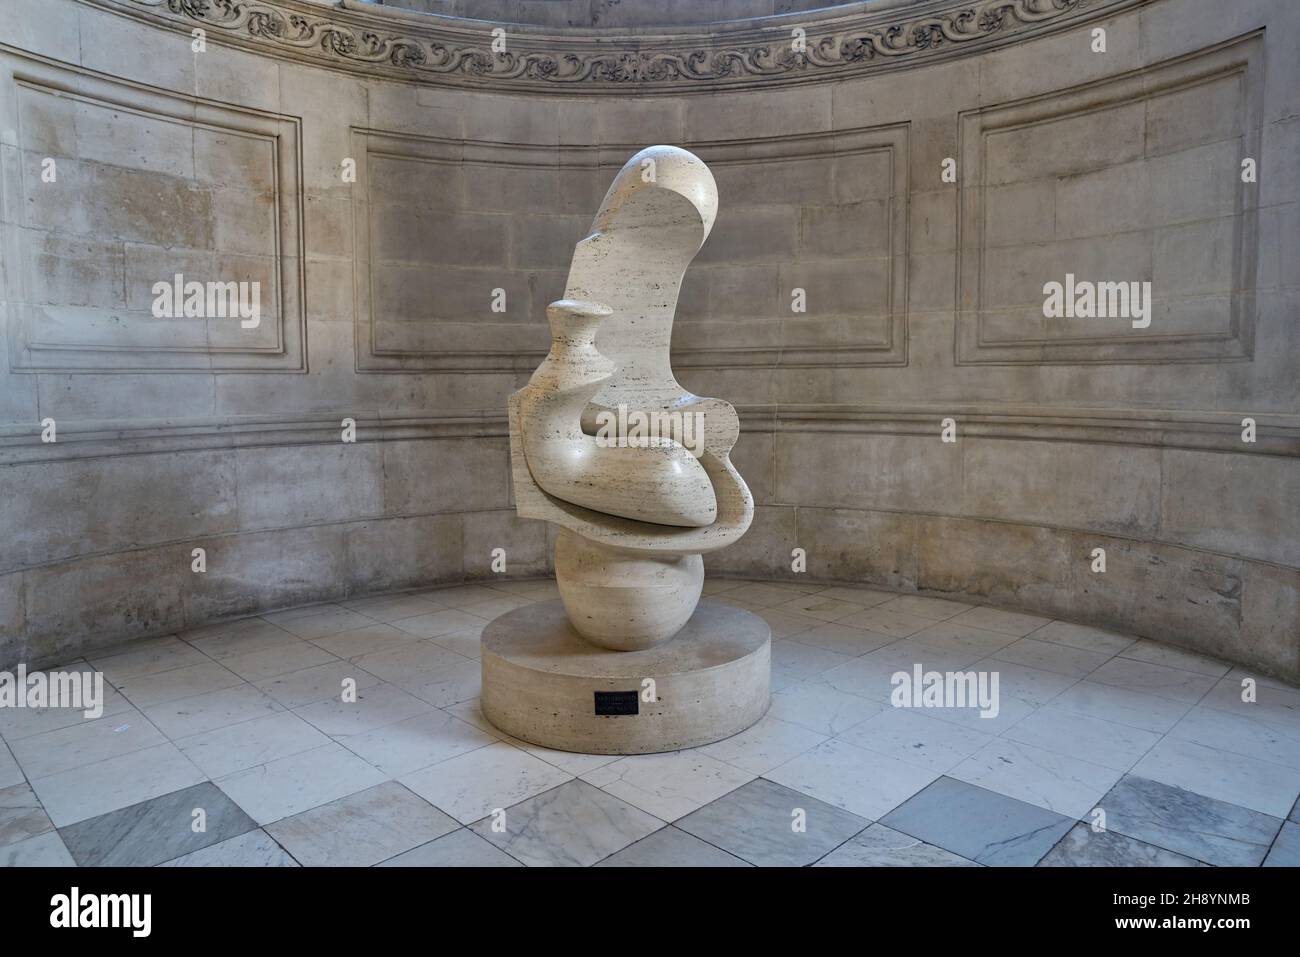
<point>543,683</point>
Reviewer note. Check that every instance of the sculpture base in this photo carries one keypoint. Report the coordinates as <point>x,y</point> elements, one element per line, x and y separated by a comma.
<point>543,683</point>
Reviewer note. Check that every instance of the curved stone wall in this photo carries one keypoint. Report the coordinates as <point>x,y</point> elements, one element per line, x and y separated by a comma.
<point>476,173</point>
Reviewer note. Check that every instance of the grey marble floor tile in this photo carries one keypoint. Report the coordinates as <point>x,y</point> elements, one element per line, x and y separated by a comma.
<point>462,848</point>
<point>44,850</point>
<point>772,826</point>
<point>1191,824</point>
<point>1295,813</point>
<point>254,849</point>
<point>21,815</point>
<point>978,824</point>
<point>573,825</point>
<point>881,846</point>
<point>669,847</point>
<point>157,830</point>
<point>1053,781</point>
<point>361,829</point>
<point>1286,849</point>
<point>1084,847</point>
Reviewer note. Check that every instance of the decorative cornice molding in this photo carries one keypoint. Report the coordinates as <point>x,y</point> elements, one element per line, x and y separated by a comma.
<point>426,48</point>
<point>1277,433</point>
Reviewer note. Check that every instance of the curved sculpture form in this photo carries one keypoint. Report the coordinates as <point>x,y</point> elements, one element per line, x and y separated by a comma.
<point>604,442</point>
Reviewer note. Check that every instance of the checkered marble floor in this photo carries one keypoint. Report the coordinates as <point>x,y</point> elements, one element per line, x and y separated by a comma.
<point>230,745</point>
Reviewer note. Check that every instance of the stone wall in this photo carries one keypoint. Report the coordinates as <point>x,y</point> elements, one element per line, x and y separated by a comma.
<point>923,303</point>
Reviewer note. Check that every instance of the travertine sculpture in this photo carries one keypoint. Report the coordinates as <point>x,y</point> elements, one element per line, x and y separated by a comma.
<point>635,511</point>
<point>636,472</point>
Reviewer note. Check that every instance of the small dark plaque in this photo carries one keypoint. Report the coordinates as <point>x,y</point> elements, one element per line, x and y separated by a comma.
<point>617,702</point>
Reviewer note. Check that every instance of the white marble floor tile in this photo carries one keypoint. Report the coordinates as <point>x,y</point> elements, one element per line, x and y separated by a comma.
<point>865,782</point>
<point>93,789</point>
<point>147,658</point>
<point>842,639</point>
<point>373,708</point>
<point>458,596</point>
<point>767,594</point>
<point>793,661</point>
<point>327,622</point>
<point>361,829</point>
<point>1010,710</point>
<point>858,595</point>
<point>299,782</point>
<point>1159,654</point>
<point>1137,708</point>
<point>471,785</point>
<point>390,608</point>
<point>301,611</point>
<point>85,743</point>
<point>882,620</point>
<point>1012,623</point>
<point>1083,636</point>
<point>820,607</point>
<point>445,686</point>
<point>668,785</point>
<point>785,624</point>
<point>467,642</point>
<point>416,743</point>
<point>1029,684</point>
<point>365,641</point>
<point>494,607</point>
<point>956,636</point>
<point>254,849</point>
<point>1052,656</point>
<point>18,723</point>
<point>916,738</point>
<point>145,690</point>
<point>766,745</point>
<point>244,637</point>
<point>403,662</point>
<point>1159,680</point>
<point>10,772</point>
<point>322,683</point>
<point>1279,707</point>
<point>1036,776</point>
<point>1112,745</point>
<point>922,606</point>
<point>1244,781</point>
<point>247,744</point>
<point>572,762</point>
<point>292,655</point>
<point>44,850</point>
<point>1241,734</point>
<point>573,825</point>
<point>821,708</point>
<point>207,712</point>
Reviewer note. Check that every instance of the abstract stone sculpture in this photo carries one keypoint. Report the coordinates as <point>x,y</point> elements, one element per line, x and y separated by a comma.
<point>636,472</point>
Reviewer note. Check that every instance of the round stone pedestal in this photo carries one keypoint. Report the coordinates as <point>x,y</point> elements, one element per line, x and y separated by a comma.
<point>545,684</point>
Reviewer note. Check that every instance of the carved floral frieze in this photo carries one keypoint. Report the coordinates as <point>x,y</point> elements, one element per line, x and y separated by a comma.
<point>443,50</point>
